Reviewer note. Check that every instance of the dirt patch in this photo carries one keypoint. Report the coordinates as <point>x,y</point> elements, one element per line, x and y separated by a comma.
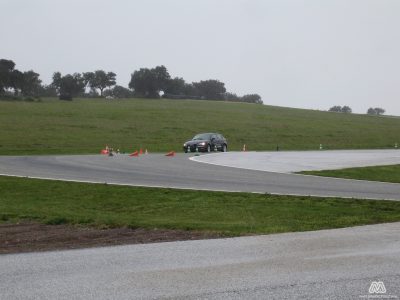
<point>28,237</point>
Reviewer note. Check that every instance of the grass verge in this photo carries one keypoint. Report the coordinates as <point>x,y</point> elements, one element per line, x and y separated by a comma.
<point>106,206</point>
<point>389,173</point>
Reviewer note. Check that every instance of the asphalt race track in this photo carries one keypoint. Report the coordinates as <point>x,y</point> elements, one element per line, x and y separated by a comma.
<point>326,264</point>
<point>157,170</point>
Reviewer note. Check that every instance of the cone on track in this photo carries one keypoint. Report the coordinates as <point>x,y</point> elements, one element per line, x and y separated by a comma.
<point>145,152</point>
<point>171,153</point>
<point>104,151</point>
<point>136,153</point>
<point>244,148</point>
<point>140,151</point>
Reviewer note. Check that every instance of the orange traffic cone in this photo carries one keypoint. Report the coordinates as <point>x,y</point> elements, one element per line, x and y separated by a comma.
<point>136,153</point>
<point>171,153</point>
<point>244,148</point>
<point>140,151</point>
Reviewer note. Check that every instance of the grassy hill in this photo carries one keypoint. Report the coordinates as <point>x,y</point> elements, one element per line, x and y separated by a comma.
<point>86,125</point>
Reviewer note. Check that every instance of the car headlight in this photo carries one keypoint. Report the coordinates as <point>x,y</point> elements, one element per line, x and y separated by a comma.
<point>184,145</point>
<point>202,144</point>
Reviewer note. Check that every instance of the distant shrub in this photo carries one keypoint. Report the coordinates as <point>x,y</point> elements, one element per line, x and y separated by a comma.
<point>337,108</point>
<point>375,111</point>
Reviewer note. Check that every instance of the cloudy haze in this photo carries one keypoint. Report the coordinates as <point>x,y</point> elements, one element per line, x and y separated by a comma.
<point>309,54</point>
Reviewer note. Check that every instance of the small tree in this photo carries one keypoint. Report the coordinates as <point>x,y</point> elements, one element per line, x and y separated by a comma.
<point>375,111</point>
<point>68,86</point>
<point>6,74</point>
<point>231,97</point>
<point>346,109</point>
<point>210,89</point>
<point>17,81</point>
<point>30,83</point>
<point>336,108</point>
<point>99,80</point>
<point>175,86</point>
<point>149,82</point>
<point>379,111</point>
<point>119,92</point>
<point>252,98</point>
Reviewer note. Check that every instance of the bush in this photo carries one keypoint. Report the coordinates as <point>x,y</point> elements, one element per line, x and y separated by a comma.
<point>338,108</point>
<point>375,111</point>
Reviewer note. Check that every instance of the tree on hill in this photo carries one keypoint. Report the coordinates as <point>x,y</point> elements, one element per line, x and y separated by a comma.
<point>176,86</point>
<point>6,74</point>
<point>30,84</point>
<point>338,108</point>
<point>162,77</point>
<point>118,92</point>
<point>252,98</point>
<point>25,83</point>
<point>149,82</point>
<point>210,89</point>
<point>68,86</point>
<point>100,80</point>
<point>346,109</point>
<point>16,81</point>
<point>375,111</point>
<point>231,97</point>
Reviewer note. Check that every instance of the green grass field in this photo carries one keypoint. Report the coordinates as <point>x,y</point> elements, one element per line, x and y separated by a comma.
<point>87,125</point>
<point>380,173</point>
<point>99,205</point>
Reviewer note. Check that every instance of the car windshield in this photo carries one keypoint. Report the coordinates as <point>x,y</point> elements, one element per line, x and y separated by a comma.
<point>202,136</point>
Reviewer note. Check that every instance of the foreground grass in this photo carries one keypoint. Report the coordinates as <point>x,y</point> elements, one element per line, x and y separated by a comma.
<point>86,125</point>
<point>56,202</point>
<point>380,173</point>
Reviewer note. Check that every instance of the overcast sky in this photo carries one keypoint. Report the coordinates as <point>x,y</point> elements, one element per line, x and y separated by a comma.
<point>309,54</point>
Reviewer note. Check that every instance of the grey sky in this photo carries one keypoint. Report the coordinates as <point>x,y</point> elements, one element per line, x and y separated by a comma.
<point>311,54</point>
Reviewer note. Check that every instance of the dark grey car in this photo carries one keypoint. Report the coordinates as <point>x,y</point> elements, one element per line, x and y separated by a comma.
<point>206,142</point>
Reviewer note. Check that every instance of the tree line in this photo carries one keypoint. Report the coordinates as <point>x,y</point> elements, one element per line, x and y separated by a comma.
<point>146,83</point>
<point>377,111</point>
<point>25,83</point>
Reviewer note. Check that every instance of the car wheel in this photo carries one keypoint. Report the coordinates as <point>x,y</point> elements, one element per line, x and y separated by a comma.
<point>224,148</point>
<point>208,148</point>
<point>186,150</point>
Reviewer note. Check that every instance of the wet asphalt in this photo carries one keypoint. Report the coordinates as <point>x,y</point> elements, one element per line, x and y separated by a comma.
<point>157,170</point>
